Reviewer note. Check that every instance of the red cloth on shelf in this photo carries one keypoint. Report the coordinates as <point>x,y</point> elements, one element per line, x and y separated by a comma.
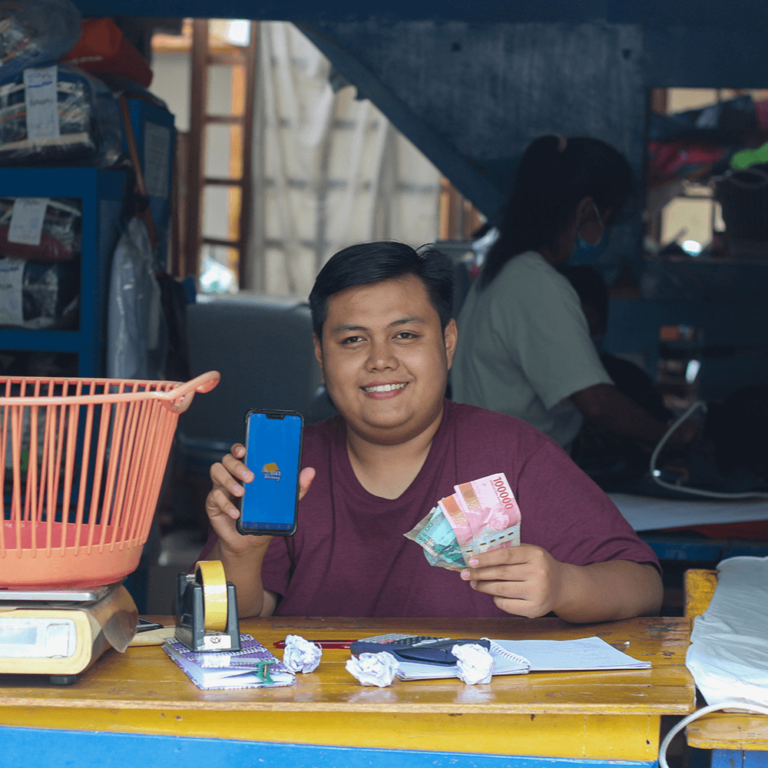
<point>103,50</point>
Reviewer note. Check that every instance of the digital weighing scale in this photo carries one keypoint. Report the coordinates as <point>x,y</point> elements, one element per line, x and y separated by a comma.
<point>61,632</point>
<point>84,461</point>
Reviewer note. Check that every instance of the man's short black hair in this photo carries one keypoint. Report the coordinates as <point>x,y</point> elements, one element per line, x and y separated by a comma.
<point>369,263</point>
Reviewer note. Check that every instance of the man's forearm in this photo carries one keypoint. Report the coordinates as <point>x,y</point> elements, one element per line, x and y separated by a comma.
<point>618,589</point>
<point>244,571</point>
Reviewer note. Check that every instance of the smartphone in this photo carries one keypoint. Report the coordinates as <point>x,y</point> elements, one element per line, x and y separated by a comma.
<point>273,453</point>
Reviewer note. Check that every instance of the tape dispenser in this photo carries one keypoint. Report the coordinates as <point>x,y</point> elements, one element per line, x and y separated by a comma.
<point>206,608</point>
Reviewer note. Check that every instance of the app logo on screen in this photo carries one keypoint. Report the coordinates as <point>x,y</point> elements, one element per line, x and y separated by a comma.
<point>271,471</point>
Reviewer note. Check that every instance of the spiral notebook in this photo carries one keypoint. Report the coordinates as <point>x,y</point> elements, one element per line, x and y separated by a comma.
<point>253,666</point>
<point>519,657</point>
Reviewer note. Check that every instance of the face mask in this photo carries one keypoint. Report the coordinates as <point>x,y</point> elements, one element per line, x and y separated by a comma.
<point>584,253</point>
<point>587,253</point>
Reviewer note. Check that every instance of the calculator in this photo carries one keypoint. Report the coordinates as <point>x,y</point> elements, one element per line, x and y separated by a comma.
<point>421,649</point>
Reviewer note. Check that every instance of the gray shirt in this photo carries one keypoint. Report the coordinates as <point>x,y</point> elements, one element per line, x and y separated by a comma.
<point>524,348</point>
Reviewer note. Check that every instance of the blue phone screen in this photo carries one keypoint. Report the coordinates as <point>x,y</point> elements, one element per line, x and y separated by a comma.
<point>273,451</point>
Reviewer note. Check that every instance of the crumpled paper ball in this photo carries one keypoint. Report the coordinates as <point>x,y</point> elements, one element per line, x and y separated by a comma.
<point>475,663</point>
<point>300,655</point>
<point>373,668</point>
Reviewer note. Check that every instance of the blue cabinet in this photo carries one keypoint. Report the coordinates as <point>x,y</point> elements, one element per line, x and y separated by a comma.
<point>102,193</point>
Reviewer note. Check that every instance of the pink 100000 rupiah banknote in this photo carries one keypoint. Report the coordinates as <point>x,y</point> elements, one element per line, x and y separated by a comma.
<point>492,512</point>
<point>480,516</point>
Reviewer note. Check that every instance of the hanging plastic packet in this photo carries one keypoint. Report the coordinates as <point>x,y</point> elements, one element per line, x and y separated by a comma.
<point>40,229</point>
<point>136,338</point>
<point>38,295</point>
<point>58,115</point>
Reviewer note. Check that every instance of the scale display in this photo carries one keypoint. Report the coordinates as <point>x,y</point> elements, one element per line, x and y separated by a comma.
<point>37,638</point>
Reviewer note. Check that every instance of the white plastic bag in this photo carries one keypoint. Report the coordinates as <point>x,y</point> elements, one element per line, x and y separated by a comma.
<point>728,655</point>
<point>135,336</point>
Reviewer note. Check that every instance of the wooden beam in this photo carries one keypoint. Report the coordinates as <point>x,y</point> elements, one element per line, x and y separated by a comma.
<point>245,270</point>
<point>196,146</point>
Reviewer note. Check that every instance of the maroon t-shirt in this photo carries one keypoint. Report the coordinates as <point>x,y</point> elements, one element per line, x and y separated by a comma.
<point>349,556</point>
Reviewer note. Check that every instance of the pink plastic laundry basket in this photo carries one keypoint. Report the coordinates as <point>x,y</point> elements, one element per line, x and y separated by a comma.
<point>84,461</point>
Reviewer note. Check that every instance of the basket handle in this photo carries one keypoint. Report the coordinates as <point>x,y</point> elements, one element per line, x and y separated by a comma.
<point>180,398</point>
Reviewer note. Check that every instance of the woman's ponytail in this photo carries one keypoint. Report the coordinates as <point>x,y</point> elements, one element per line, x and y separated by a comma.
<point>553,176</point>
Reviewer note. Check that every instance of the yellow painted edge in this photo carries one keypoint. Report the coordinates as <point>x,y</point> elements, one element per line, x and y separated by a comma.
<point>728,731</point>
<point>699,585</point>
<point>708,743</point>
<point>616,737</point>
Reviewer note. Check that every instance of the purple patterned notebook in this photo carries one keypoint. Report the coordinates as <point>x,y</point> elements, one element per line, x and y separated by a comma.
<point>253,666</point>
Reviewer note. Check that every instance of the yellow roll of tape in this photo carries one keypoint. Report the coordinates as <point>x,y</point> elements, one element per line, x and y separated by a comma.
<point>211,574</point>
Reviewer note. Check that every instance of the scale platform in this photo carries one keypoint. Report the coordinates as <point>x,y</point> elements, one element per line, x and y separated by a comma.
<point>61,632</point>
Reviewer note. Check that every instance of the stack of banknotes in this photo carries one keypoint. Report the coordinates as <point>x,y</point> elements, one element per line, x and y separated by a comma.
<point>480,516</point>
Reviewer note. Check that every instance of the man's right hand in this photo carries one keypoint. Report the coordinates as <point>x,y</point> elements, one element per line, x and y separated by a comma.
<point>227,476</point>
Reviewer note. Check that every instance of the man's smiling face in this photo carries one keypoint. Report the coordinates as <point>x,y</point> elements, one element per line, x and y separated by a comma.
<point>385,359</point>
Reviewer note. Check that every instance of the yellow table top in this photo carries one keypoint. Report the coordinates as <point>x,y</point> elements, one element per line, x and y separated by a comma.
<point>146,678</point>
<point>144,691</point>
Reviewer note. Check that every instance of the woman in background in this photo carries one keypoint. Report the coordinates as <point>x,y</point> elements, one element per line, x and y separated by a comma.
<point>524,347</point>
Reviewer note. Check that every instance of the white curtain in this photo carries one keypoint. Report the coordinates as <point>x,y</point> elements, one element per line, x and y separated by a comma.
<point>329,170</point>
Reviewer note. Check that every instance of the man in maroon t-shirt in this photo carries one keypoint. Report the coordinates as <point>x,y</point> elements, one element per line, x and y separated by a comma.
<point>384,339</point>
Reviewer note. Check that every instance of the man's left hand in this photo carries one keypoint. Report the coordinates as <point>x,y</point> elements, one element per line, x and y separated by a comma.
<point>524,580</point>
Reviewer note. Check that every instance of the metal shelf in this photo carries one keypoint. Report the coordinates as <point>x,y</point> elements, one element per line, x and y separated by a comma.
<point>101,193</point>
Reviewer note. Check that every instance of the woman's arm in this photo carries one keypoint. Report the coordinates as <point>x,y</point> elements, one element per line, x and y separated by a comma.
<point>612,411</point>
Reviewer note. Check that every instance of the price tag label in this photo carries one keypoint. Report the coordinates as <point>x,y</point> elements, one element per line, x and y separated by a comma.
<point>42,103</point>
<point>27,220</point>
<point>157,158</point>
<point>11,273</point>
